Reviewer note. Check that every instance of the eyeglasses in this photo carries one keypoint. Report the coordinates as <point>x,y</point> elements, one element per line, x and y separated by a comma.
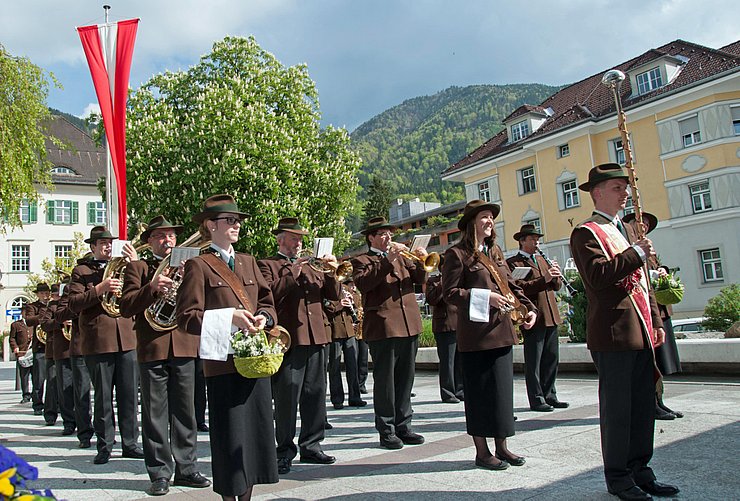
<point>230,220</point>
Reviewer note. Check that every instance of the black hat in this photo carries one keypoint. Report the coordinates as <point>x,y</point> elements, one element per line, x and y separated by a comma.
<point>649,219</point>
<point>42,287</point>
<point>473,208</point>
<point>291,225</point>
<point>159,223</point>
<point>97,233</point>
<point>55,288</point>
<point>215,205</point>
<point>377,223</point>
<point>602,173</point>
<point>525,230</point>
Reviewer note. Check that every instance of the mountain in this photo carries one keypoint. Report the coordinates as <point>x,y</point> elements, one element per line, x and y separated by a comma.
<point>76,121</point>
<point>410,144</point>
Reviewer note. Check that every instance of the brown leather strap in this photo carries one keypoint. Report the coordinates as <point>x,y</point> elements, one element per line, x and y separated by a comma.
<point>222,270</point>
<point>503,285</point>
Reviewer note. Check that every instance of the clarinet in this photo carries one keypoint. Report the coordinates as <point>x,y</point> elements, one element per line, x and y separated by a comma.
<point>571,290</point>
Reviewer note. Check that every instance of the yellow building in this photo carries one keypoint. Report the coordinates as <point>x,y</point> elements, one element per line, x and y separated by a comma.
<point>682,103</point>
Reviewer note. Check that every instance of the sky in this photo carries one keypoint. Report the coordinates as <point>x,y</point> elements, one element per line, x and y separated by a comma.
<point>369,55</point>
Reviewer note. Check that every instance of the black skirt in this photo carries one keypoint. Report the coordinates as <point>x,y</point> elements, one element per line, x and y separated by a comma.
<point>666,355</point>
<point>242,433</point>
<point>488,379</point>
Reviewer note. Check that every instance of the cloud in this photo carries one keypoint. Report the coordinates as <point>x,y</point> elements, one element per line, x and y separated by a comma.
<point>89,110</point>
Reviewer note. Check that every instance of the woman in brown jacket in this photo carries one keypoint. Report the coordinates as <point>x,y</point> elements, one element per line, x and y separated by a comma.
<point>485,332</point>
<point>242,432</point>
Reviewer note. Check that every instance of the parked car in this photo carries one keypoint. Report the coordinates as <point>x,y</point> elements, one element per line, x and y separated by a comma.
<point>687,325</point>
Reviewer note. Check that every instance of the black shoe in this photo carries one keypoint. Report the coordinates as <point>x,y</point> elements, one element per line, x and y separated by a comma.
<point>84,443</point>
<point>338,406</point>
<point>541,408</point>
<point>363,390</point>
<point>410,438</point>
<point>50,422</point>
<point>663,415</point>
<point>501,465</point>
<point>657,489</point>
<point>284,465</point>
<point>663,406</point>
<point>391,442</point>
<point>68,430</point>
<point>634,493</point>
<point>558,404</point>
<point>102,457</point>
<point>451,400</point>
<point>136,453</point>
<point>38,412</point>
<point>196,480</point>
<point>413,394</point>
<point>25,400</point>
<point>359,403</point>
<point>203,427</point>
<point>159,487</point>
<point>318,458</point>
<point>513,461</point>
<point>327,425</point>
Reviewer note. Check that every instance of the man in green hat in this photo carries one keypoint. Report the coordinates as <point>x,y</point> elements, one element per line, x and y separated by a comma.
<point>622,328</point>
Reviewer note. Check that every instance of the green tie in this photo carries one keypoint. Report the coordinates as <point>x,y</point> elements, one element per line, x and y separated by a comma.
<point>231,263</point>
<point>621,229</point>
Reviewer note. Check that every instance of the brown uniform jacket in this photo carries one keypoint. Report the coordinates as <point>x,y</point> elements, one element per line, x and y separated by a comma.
<point>137,296</point>
<point>100,333</point>
<point>203,289</point>
<point>299,299</point>
<point>59,344</point>
<point>32,314</point>
<point>463,271</point>
<point>444,315</point>
<point>388,298</point>
<point>62,314</point>
<point>340,317</point>
<point>612,323</point>
<point>539,286</point>
<point>20,337</point>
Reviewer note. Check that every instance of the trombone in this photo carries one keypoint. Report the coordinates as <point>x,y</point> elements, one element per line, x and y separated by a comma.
<point>430,262</point>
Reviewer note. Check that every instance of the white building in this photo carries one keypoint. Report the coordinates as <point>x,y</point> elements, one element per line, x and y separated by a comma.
<point>74,205</point>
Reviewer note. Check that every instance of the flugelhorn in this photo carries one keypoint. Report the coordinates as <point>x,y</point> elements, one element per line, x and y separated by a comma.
<point>342,271</point>
<point>115,269</point>
<point>430,262</point>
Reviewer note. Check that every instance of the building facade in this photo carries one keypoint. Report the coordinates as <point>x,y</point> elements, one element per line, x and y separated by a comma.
<point>682,103</point>
<point>73,205</point>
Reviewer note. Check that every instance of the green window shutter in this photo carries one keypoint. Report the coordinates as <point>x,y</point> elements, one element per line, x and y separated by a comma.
<point>75,212</point>
<point>90,213</point>
<point>50,212</point>
<point>33,212</point>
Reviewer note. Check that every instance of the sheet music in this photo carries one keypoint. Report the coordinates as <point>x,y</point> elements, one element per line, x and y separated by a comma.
<point>521,272</point>
<point>117,247</point>
<point>323,246</point>
<point>420,242</point>
<point>181,254</point>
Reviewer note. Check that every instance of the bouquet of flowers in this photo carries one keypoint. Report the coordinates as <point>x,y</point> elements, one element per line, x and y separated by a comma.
<point>256,355</point>
<point>14,473</point>
<point>668,289</point>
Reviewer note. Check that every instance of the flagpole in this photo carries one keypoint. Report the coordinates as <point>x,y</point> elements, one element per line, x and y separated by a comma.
<point>106,8</point>
<point>109,169</point>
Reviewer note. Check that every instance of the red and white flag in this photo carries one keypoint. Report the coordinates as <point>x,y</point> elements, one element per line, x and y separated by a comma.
<point>108,48</point>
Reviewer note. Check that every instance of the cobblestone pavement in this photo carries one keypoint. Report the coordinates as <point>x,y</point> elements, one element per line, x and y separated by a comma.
<point>698,453</point>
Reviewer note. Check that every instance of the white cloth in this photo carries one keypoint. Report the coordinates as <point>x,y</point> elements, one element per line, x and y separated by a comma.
<point>215,334</point>
<point>479,305</point>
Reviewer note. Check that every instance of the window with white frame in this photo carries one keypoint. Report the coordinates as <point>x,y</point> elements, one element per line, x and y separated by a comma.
<point>63,170</point>
<point>570,194</point>
<point>649,80</point>
<point>20,258</point>
<point>19,302</point>
<point>618,149</point>
<point>63,252</point>
<point>519,131</point>
<point>62,212</point>
<point>629,206</point>
<point>711,265</point>
<point>534,222</point>
<point>527,180</point>
<point>690,133</point>
<point>96,213</point>
<point>484,192</point>
<point>563,150</point>
<point>701,197</point>
<point>736,119</point>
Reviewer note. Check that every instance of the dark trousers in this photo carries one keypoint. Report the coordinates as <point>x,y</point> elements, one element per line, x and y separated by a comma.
<point>168,417</point>
<point>348,347</point>
<point>541,357</point>
<point>38,376</point>
<point>393,378</point>
<point>81,389</point>
<point>301,381</point>
<point>450,370</point>
<point>362,362</point>
<point>65,392</point>
<point>200,393</point>
<point>626,416</point>
<point>51,402</point>
<point>119,370</point>
<point>24,373</point>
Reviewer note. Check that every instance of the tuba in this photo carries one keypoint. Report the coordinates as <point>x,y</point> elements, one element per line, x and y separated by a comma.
<point>115,269</point>
<point>161,314</point>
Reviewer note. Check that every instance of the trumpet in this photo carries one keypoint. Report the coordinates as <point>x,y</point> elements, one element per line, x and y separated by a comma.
<point>430,262</point>
<point>342,271</point>
<point>572,291</point>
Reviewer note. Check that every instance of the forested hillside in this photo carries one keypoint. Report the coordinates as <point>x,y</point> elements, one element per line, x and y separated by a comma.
<point>410,144</point>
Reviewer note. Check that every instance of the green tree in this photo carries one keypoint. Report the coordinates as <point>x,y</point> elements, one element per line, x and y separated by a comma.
<point>23,113</point>
<point>239,122</point>
<point>55,272</point>
<point>379,198</point>
<point>578,306</point>
<point>723,310</point>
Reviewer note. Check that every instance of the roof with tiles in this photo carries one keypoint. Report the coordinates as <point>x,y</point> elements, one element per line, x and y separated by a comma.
<point>524,109</point>
<point>78,153</point>
<point>590,100</point>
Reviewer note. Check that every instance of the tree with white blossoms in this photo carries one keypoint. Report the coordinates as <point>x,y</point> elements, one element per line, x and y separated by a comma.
<point>239,122</point>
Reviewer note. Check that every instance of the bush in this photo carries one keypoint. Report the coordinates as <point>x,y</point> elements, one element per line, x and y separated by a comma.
<point>576,316</point>
<point>723,310</point>
<point>426,338</point>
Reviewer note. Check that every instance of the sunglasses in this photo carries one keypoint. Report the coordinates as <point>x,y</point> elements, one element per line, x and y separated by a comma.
<point>230,220</point>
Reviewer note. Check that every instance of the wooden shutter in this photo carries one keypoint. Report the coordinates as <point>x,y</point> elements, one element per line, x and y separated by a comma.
<point>75,212</point>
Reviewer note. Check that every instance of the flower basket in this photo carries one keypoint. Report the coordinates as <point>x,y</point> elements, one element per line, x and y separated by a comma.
<point>258,366</point>
<point>668,290</point>
<point>257,356</point>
